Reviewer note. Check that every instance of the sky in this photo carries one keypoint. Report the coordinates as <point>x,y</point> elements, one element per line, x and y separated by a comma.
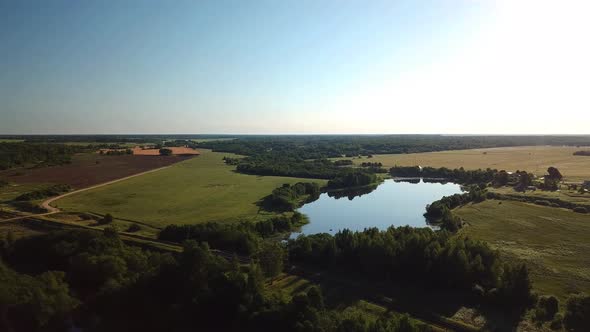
<point>295,67</point>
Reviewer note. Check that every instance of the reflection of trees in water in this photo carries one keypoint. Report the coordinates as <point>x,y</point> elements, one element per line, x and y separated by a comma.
<point>352,193</point>
<point>424,180</point>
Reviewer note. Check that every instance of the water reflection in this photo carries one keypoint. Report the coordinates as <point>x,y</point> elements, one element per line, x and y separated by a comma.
<point>394,202</point>
<point>352,193</point>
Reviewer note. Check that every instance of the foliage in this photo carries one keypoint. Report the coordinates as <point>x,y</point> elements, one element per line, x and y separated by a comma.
<point>107,219</point>
<point>236,237</point>
<point>546,309</point>
<point>289,197</point>
<point>54,190</point>
<point>126,289</point>
<point>577,313</point>
<point>332,146</point>
<point>271,257</point>
<point>580,209</point>
<point>582,153</point>
<point>22,154</point>
<point>165,152</point>
<point>458,175</point>
<point>417,255</point>
<point>352,179</point>
<point>29,302</point>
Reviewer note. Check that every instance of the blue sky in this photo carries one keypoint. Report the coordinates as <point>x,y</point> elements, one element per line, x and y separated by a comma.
<point>440,66</point>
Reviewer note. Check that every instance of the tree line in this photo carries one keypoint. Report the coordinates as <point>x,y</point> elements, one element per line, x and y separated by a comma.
<point>37,155</point>
<point>334,146</point>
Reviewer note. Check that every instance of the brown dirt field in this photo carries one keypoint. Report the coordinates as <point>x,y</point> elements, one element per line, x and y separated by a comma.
<point>90,169</point>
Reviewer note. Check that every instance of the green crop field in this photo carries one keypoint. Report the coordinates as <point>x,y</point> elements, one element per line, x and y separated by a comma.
<point>197,190</point>
<point>553,242</point>
<point>535,159</point>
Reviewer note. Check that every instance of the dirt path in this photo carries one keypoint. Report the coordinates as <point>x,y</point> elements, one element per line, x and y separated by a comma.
<point>52,210</point>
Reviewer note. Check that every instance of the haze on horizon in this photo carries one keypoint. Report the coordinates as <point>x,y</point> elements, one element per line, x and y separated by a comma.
<point>455,66</point>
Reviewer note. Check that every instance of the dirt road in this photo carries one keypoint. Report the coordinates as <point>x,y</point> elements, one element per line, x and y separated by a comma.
<point>52,210</point>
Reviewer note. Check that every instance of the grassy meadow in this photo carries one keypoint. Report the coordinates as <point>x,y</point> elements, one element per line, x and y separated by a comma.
<point>553,242</point>
<point>535,159</point>
<point>196,190</point>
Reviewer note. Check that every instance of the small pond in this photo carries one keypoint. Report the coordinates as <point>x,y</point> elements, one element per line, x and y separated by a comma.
<point>393,202</point>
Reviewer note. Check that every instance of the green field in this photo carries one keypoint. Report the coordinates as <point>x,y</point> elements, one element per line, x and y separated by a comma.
<point>553,242</point>
<point>197,190</point>
<point>535,159</point>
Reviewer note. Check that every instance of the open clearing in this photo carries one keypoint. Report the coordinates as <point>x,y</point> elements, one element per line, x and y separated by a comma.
<point>553,242</point>
<point>88,169</point>
<point>535,159</point>
<point>196,190</point>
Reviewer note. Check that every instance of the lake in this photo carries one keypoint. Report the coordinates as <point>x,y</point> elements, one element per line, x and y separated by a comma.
<point>393,202</point>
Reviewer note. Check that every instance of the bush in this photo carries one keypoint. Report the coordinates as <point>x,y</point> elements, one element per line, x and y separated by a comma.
<point>165,152</point>
<point>542,202</point>
<point>557,322</point>
<point>546,308</point>
<point>85,216</point>
<point>107,219</point>
<point>580,209</point>
<point>134,228</point>
<point>577,313</point>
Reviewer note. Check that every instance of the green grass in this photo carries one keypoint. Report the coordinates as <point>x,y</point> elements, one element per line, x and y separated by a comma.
<point>197,190</point>
<point>553,242</point>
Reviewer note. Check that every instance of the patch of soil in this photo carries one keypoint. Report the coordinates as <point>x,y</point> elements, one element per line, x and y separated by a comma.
<point>90,169</point>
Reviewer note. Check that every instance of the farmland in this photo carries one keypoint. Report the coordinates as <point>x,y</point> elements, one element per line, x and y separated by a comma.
<point>535,159</point>
<point>553,242</point>
<point>196,190</point>
<point>88,169</point>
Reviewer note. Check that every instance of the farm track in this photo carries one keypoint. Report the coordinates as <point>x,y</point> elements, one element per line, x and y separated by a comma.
<point>53,210</point>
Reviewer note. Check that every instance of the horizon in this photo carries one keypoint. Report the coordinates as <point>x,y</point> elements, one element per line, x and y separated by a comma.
<point>490,67</point>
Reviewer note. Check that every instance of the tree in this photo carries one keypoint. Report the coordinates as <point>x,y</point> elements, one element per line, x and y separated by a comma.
<point>316,299</point>
<point>554,173</point>
<point>546,308</point>
<point>577,313</point>
<point>107,219</point>
<point>165,152</point>
<point>271,258</point>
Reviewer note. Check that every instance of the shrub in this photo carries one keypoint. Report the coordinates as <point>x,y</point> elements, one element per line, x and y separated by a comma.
<point>577,313</point>
<point>134,228</point>
<point>542,202</point>
<point>107,219</point>
<point>580,209</point>
<point>557,322</point>
<point>85,216</point>
<point>546,308</point>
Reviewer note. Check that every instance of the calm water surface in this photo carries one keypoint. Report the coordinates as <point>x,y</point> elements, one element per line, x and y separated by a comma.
<point>391,203</point>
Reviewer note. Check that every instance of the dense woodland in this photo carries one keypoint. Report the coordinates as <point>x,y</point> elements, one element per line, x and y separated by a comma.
<point>95,282</point>
<point>35,155</point>
<point>328,146</point>
<point>420,256</point>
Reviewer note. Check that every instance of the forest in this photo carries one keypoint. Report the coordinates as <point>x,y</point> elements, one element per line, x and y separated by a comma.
<point>93,281</point>
<point>37,155</point>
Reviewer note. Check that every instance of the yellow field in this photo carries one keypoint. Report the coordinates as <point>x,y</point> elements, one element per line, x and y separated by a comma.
<point>533,159</point>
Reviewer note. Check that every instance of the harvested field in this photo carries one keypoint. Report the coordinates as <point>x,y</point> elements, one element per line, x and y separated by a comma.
<point>90,169</point>
<point>535,159</point>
